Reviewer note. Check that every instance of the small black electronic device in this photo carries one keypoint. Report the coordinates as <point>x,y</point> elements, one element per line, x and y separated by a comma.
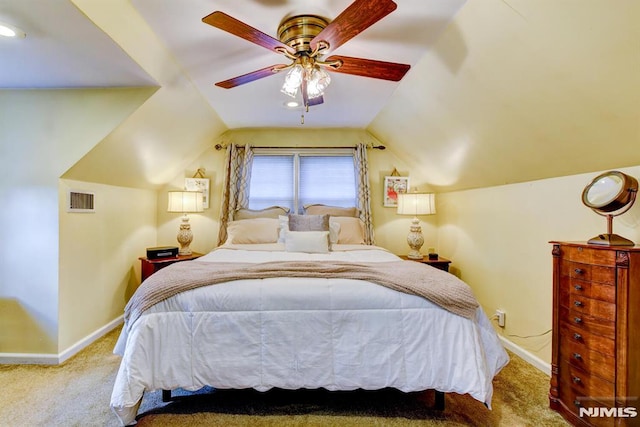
<point>433,256</point>
<point>162,252</point>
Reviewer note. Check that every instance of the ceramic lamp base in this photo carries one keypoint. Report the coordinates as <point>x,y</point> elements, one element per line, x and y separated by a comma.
<point>415,239</point>
<point>185,237</point>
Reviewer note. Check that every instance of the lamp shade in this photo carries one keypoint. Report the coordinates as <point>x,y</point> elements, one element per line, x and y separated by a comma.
<point>416,204</point>
<point>185,201</point>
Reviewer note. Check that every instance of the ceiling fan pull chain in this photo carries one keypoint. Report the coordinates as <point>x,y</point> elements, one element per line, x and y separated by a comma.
<point>302,119</point>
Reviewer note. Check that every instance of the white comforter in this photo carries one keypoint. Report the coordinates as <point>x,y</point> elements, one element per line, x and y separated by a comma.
<point>291,333</point>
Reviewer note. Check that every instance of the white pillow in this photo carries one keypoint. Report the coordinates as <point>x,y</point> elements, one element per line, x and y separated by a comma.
<point>257,230</point>
<point>315,242</point>
<point>283,224</point>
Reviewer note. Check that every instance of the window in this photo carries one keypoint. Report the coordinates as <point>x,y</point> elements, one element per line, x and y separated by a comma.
<point>296,178</point>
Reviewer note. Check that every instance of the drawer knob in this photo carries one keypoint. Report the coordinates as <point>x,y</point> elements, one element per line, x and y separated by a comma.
<point>577,403</point>
<point>577,319</point>
<point>578,287</point>
<point>577,336</point>
<point>577,356</point>
<point>576,380</point>
<point>578,303</point>
<point>579,271</point>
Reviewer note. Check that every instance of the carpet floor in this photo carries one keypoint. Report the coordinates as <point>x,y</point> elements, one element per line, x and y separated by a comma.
<point>77,393</point>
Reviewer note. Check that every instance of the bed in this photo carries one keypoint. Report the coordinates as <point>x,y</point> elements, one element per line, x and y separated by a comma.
<point>301,332</point>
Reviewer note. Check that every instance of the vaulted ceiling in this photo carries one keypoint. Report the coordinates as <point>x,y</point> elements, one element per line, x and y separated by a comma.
<point>499,91</point>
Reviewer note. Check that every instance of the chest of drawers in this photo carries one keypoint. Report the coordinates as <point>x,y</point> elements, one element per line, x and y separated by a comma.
<point>595,366</point>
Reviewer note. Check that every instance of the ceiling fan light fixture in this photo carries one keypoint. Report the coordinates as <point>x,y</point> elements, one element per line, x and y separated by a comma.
<point>293,80</point>
<point>318,81</point>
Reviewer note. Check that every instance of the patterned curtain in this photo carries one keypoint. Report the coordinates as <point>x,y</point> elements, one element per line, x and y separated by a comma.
<point>235,193</point>
<point>364,191</point>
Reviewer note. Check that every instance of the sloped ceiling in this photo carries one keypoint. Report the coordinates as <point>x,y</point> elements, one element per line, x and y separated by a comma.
<point>505,91</point>
<point>520,90</point>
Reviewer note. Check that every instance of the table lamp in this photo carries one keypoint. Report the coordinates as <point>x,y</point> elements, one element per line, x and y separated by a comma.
<point>416,204</point>
<point>185,202</point>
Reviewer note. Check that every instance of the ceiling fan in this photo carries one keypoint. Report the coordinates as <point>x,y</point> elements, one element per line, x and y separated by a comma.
<point>306,40</point>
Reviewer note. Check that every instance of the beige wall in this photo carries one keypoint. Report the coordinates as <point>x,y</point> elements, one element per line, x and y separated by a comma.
<point>99,267</point>
<point>498,240</point>
<point>42,134</point>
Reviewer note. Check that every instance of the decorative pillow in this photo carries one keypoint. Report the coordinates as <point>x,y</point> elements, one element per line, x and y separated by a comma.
<point>270,212</point>
<point>308,222</point>
<point>318,209</point>
<point>334,230</point>
<point>257,230</point>
<point>351,230</point>
<point>315,242</point>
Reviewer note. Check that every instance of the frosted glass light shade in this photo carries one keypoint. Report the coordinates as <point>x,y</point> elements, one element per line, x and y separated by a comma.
<point>317,83</point>
<point>293,80</point>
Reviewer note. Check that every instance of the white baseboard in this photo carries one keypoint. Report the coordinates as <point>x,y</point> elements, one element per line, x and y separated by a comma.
<point>28,359</point>
<point>89,339</point>
<point>56,359</point>
<point>527,356</point>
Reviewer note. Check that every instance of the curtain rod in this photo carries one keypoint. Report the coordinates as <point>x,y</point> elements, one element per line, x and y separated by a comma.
<point>377,147</point>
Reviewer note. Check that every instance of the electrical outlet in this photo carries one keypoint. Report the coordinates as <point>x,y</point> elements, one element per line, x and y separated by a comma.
<point>500,314</point>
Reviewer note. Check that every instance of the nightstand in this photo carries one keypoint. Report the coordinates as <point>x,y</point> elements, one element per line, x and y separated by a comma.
<point>439,263</point>
<point>150,266</point>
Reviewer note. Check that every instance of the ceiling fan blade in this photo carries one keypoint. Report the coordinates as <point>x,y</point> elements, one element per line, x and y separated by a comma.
<point>238,28</point>
<point>359,16</point>
<point>250,77</point>
<point>369,68</point>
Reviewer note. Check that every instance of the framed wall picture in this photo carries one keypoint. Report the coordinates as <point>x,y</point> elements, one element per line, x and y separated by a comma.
<point>199,184</point>
<point>394,185</point>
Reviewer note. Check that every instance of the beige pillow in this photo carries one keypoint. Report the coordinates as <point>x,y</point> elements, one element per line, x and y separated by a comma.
<point>308,222</point>
<point>270,212</point>
<point>351,230</point>
<point>313,242</point>
<point>257,230</point>
<point>318,209</point>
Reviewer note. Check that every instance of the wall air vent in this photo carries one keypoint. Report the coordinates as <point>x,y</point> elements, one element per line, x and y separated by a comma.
<point>80,201</point>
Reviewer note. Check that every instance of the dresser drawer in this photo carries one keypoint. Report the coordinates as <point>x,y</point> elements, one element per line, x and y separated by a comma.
<point>573,401</point>
<point>593,290</point>
<point>593,307</point>
<point>588,385</point>
<point>592,362</point>
<point>588,272</point>
<point>588,323</point>
<point>591,256</point>
<point>570,334</point>
<point>576,270</point>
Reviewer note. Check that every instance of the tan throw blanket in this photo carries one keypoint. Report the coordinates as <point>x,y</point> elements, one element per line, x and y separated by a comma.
<point>410,277</point>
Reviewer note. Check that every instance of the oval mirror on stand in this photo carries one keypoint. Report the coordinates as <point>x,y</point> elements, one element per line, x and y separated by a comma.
<point>610,194</point>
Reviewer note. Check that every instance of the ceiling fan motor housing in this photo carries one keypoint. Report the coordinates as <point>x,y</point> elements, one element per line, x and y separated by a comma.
<point>298,31</point>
